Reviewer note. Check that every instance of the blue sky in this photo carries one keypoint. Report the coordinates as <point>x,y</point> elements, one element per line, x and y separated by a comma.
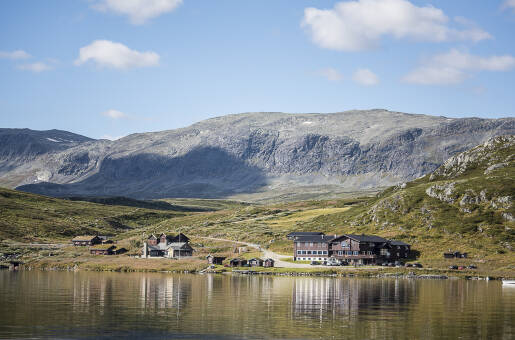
<point>108,68</point>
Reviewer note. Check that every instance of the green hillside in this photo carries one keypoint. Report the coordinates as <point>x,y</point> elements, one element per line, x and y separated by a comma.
<point>29,217</point>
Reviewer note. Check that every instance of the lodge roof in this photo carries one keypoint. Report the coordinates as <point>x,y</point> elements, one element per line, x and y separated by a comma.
<point>315,238</point>
<point>366,238</point>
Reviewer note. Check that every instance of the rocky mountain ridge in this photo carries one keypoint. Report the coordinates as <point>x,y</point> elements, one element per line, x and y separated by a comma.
<point>253,152</point>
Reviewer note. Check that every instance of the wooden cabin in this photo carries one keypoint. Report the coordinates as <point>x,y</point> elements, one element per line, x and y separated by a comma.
<point>102,249</point>
<point>238,262</point>
<point>256,262</point>
<point>86,240</point>
<point>106,249</point>
<point>215,259</point>
<point>269,263</point>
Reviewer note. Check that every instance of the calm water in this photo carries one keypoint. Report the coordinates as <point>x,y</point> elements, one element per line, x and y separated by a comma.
<point>95,305</point>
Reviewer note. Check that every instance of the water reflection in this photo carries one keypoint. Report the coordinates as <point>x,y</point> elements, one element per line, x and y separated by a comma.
<point>50,304</point>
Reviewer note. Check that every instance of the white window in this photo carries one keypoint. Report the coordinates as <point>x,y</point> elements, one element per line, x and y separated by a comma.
<point>299,252</point>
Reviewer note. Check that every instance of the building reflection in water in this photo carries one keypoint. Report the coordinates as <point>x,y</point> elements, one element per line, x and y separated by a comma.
<point>164,293</point>
<point>328,298</point>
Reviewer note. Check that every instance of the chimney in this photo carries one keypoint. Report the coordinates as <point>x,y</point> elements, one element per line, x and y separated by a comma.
<point>145,250</point>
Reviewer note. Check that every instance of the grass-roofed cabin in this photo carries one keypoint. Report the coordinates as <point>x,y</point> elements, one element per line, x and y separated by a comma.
<point>215,259</point>
<point>86,240</point>
<point>106,249</point>
<point>238,262</point>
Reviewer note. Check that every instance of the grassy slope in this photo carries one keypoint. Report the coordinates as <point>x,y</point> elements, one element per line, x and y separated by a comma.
<point>28,217</point>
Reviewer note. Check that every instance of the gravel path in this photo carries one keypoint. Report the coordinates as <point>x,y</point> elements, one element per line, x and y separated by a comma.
<point>268,254</point>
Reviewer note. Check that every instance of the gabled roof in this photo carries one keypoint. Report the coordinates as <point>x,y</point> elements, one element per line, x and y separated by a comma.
<point>178,246</point>
<point>366,238</point>
<point>152,236</point>
<point>315,238</point>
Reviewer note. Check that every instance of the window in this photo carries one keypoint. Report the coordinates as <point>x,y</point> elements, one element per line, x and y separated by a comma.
<point>340,253</point>
<point>299,252</point>
<point>348,252</point>
<point>311,244</point>
<point>356,252</point>
<point>345,244</point>
<point>324,252</point>
<point>303,252</point>
<point>309,252</point>
<point>384,251</point>
<point>369,252</point>
<point>319,252</point>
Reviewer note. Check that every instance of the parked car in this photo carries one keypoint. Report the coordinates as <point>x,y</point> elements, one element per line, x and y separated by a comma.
<point>391,264</point>
<point>384,264</point>
<point>453,267</point>
<point>461,267</point>
<point>408,265</point>
<point>472,267</point>
<point>315,263</point>
<point>344,263</point>
<point>418,265</point>
<point>332,262</point>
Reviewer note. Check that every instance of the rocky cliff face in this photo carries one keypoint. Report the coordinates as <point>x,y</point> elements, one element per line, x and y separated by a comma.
<point>258,151</point>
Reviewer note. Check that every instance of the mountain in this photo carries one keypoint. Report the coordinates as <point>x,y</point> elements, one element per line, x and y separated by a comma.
<point>22,146</point>
<point>258,152</point>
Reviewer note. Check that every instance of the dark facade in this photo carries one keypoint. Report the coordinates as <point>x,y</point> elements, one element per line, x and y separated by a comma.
<point>238,262</point>
<point>354,249</point>
<point>312,248</point>
<point>256,262</point>
<point>215,259</point>
<point>269,263</point>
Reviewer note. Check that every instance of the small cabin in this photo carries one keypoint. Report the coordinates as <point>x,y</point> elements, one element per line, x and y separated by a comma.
<point>269,263</point>
<point>238,262</point>
<point>106,249</point>
<point>103,249</point>
<point>256,262</point>
<point>86,240</point>
<point>215,259</point>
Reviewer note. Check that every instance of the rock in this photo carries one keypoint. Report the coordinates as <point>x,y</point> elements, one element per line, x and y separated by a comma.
<point>444,192</point>
<point>250,152</point>
<point>494,167</point>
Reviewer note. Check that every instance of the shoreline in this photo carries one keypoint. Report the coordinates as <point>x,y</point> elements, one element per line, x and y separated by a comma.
<point>283,272</point>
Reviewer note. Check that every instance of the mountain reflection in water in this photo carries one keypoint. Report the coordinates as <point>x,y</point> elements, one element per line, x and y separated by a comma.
<point>141,305</point>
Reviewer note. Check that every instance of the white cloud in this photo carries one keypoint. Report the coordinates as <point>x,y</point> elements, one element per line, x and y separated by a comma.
<point>455,66</point>
<point>114,114</point>
<point>138,11</point>
<point>330,74</point>
<point>360,25</point>
<point>365,77</point>
<point>106,53</point>
<point>18,54</point>
<point>509,4</point>
<point>35,67</point>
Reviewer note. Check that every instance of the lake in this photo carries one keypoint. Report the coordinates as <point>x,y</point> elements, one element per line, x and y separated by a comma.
<point>87,305</point>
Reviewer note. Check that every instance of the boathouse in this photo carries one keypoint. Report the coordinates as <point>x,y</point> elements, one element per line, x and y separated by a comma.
<point>215,259</point>
<point>255,262</point>
<point>238,262</point>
